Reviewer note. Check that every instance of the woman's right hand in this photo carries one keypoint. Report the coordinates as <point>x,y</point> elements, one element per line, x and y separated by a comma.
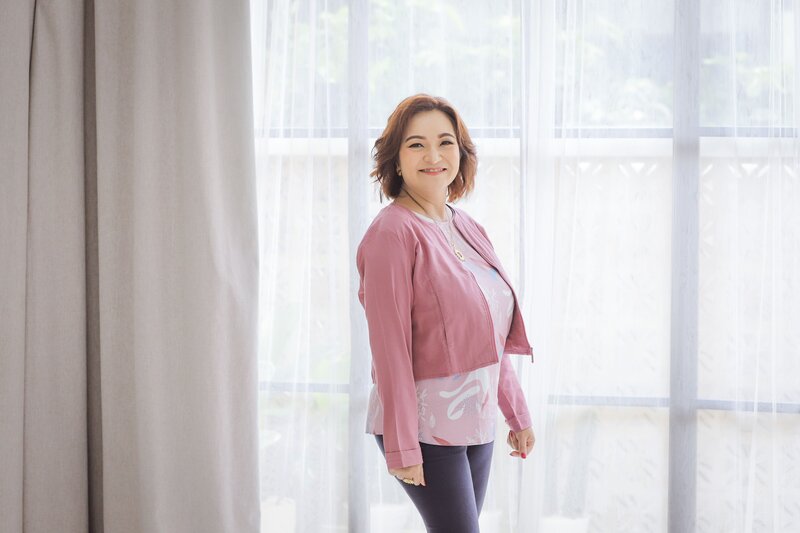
<point>410,472</point>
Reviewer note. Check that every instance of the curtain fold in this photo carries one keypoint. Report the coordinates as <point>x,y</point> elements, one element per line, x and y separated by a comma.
<point>129,268</point>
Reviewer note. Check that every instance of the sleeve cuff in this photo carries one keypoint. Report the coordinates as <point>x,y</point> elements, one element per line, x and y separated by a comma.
<point>519,422</point>
<point>404,458</point>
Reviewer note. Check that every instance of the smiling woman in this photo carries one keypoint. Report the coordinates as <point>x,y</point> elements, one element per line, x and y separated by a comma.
<point>425,151</point>
<point>443,319</point>
<point>428,161</point>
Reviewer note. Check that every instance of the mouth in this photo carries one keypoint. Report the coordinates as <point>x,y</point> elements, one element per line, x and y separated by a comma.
<point>433,171</point>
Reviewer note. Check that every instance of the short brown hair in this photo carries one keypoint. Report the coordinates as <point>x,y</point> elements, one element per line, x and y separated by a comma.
<point>388,146</point>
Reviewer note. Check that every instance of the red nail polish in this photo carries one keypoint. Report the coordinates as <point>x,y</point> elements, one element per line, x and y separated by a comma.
<point>524,456</point>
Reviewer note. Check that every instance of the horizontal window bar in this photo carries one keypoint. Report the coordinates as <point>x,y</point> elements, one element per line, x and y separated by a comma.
<point>282,386</point>
<point>701,404</point>
<point>558,133</point>
<point>667,133</point>
<point>761,407</point>
<point>582,400</point>
<point>612,401</point>
<point>611,132</point>
<point>325,133</point>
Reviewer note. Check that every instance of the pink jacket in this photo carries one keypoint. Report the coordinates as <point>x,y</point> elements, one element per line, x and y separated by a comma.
<point>421,315</point>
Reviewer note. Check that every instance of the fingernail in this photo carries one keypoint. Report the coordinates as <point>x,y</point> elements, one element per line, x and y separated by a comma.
<point>524,456</point>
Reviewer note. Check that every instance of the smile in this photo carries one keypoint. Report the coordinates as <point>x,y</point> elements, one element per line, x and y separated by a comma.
<point>433,171</point>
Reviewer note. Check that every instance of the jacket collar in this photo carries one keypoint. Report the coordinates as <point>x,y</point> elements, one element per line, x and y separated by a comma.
<point>412,214</point>
<point>461,221</point>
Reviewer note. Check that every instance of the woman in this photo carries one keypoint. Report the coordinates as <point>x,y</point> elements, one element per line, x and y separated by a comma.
<point>442,319</point>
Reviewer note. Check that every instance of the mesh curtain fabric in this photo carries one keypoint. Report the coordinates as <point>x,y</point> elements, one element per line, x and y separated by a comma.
<point>639,176</point>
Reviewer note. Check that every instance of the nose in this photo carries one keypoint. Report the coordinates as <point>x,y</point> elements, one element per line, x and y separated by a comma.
<point>432,155</point>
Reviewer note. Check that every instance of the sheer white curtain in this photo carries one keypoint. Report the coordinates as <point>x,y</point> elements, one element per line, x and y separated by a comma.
<point>639,178</point>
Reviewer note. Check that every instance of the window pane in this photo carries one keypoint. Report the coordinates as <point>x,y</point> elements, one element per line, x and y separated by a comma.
<point>612,303</point>
<point>749,301</point>
<point>614,64</point>
<point>748,465</point>
<point>300,70</point>
<point>467,52</point>
<point>300,437</point>
<point>305,276</point>
<point>747,52</point>
<point>609,467</point>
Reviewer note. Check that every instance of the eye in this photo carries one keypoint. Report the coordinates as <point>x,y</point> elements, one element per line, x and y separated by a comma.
<point>420,144</point>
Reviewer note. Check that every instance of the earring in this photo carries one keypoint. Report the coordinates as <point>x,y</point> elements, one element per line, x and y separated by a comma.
<point>399,172</point>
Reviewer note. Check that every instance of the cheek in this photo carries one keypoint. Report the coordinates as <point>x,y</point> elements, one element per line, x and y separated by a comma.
<point>403,158</point>
<point>407,155</point>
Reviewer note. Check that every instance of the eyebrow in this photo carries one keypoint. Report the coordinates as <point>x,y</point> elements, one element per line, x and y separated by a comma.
<point>423,138</point>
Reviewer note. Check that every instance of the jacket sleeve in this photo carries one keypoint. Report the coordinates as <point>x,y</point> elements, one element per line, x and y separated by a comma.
<point>385,265</point>
<point>510,397</point>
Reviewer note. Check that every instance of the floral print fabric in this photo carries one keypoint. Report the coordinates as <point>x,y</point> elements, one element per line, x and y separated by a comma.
<point>461,409</point>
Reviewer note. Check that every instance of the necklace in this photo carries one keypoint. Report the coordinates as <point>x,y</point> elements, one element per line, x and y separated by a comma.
<point>449,235</point>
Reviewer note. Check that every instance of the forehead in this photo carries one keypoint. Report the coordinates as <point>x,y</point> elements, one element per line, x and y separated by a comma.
<point>433,122</point>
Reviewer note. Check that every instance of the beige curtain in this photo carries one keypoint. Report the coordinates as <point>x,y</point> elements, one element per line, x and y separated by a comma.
<point>128,268</point>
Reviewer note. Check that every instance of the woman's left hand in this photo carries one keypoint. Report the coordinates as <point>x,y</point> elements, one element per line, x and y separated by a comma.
<point>521,441</point>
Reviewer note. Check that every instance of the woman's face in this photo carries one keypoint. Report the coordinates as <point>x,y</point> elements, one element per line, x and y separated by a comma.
<point>429,155</point>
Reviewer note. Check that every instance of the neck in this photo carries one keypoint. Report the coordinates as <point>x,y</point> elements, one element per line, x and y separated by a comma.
<point>436,208</point>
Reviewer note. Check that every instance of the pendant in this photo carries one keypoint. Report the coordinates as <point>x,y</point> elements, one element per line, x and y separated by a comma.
<point>459,254</point>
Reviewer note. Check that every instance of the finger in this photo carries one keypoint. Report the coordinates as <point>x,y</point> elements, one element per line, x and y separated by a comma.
<point>520,447</point>
<point>528,445</point>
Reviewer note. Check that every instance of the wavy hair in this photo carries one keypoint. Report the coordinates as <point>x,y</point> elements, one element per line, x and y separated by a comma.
<point>387,147</point>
